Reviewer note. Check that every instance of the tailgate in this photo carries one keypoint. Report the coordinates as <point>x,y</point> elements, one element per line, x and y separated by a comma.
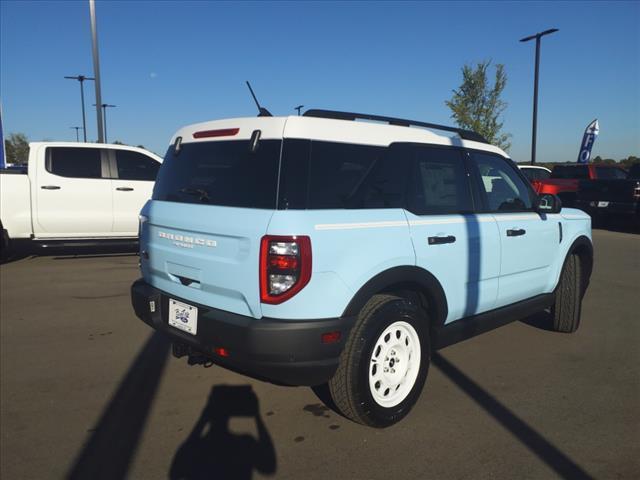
<point>608,190</point>
<point>206,254</point>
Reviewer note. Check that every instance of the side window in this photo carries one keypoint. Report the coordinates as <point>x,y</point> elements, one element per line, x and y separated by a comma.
<point>543,174</point>
<point>534,174</point>
<point>336,171</point>
<point>505,190</point>
<point>329,175</point>
<point>136,166</point>
<point>530,173</point>
<point>386,184</point>
<point>294,174</point>
<point>74,162</point>
<point>439,184</point>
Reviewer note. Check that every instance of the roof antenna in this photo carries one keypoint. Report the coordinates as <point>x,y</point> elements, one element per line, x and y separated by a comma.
<point>263,112</point>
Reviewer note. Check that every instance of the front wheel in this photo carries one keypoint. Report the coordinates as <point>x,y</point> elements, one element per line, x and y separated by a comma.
<point>384,364</point>
<point>568,304</point>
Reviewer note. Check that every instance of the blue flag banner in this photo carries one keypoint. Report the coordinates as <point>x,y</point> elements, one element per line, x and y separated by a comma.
<point>589,138</point>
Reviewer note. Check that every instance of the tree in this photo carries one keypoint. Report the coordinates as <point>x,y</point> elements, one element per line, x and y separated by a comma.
<point>477,106</point>
<point>16,147</point>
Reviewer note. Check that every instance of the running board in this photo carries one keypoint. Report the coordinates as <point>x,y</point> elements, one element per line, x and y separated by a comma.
<point>85,242</point>
<point>469,327</point>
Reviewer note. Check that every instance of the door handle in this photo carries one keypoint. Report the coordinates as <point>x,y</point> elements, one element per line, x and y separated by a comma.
<point>50,187</point>
<point>516,232</point>
<point>124,189</point>
<point>441,240</point>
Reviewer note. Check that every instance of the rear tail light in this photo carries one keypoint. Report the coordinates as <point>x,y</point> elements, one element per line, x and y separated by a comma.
<point>636,191</point>
<point>285,267</point>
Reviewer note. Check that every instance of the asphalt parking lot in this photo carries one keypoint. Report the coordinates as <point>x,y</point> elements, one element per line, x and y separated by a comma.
<point>89,391</point>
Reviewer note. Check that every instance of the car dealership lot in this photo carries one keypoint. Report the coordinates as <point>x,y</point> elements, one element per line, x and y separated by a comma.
<point>90,391</point>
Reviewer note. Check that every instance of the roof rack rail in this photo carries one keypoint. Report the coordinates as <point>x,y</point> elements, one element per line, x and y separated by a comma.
<point>465,134</point>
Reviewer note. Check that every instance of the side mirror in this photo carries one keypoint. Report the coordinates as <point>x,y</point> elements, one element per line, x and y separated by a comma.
<point>548,203</point>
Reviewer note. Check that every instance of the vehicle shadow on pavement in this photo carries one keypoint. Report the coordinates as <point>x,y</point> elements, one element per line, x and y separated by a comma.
<point>212,451</point>
<point>540,446</point>
<point>619,227</point>
<point>15,257</point>
<point>95,255</point>
<point>67,253</point>
<point>108,452</point>
<point>542,320</point>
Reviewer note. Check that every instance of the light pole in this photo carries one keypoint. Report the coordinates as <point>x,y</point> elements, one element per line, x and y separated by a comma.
<point>298,108</point>
<point>104,115</point>
<point>77,128</point>
<point>81,79</point>
<point>537,36</point>
<point>96,66</point>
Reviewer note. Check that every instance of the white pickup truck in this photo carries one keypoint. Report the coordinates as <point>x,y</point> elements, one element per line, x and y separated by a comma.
<point>76,193</point>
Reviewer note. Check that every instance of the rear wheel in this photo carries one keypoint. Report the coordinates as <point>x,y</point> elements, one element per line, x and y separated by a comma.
<point>568,305</point>
<point>384,364</point>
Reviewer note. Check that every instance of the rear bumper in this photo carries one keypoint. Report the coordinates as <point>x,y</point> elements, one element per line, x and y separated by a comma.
<point>282,351</point>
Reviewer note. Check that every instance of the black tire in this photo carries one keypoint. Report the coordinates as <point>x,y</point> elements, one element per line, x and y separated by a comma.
<point>4,244</point>
<point>349,387</point>
<point>568,304</point>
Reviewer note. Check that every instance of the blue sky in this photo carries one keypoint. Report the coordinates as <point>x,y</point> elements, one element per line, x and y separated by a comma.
<point>167,64</point>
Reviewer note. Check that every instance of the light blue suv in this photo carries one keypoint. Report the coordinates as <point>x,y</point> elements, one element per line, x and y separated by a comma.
<point>327,249</point>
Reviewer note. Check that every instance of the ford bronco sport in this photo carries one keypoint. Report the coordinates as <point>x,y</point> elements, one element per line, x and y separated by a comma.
<point>325,249</point>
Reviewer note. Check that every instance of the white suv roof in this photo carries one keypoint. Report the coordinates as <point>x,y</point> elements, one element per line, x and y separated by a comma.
<point>324,129</point>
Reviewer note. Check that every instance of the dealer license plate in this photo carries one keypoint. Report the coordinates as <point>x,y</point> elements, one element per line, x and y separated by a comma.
<point>603,204</point>
<point>183,316</point>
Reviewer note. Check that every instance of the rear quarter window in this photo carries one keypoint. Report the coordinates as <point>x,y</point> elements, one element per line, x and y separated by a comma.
<point>331,175</point>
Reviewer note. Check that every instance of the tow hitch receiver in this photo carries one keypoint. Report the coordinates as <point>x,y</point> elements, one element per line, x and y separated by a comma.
<point>195,357</point>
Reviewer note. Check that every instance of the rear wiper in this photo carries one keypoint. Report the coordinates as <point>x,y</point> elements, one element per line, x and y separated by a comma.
<point>203,195</point>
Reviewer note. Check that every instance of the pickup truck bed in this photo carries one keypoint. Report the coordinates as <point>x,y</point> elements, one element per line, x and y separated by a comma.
<point>606,198</point>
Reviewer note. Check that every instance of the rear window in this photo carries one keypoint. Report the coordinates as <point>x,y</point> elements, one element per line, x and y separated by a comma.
<point>634,172</point>
<point>610,173</point>
<point>570,171</point>
<point>221,173</point>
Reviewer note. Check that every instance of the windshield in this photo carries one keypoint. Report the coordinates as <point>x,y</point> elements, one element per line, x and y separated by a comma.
<point>221,173</point>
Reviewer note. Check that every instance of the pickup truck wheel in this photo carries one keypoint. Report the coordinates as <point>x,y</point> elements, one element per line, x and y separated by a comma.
<point>384,364</point>
<point>4,244</point>
<point>567,307</point>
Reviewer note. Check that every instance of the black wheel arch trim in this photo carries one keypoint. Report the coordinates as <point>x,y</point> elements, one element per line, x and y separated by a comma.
<point>395,278</point>
<point>582,243</point>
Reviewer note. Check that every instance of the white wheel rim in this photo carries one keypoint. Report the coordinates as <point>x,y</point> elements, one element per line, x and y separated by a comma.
<point>394,364</point>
